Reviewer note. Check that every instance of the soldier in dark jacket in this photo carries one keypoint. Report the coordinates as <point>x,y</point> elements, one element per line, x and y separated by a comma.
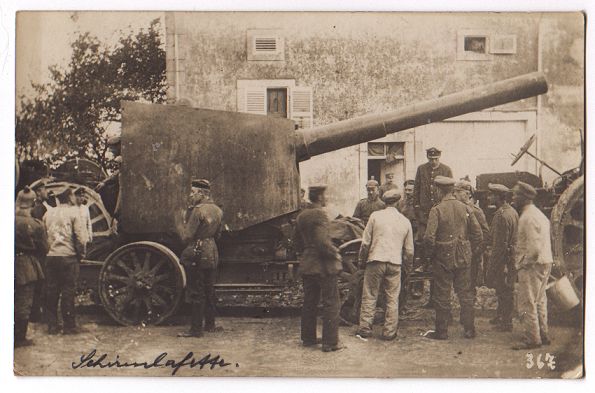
<point>320,265</point>
<point>501,271</point>
<point>365,207</point>
<point>464,193</point>
<point>425,193</point>
<point>30,242</point>
<point>201,226</point>
<point>451,235</point>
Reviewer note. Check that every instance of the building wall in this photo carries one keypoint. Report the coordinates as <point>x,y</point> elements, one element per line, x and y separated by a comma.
<point>359,63</point>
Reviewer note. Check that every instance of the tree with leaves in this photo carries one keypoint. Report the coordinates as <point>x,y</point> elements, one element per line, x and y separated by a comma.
<point>68,116</point>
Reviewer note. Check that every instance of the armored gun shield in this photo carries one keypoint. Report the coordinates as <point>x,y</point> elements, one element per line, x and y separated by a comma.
<point>249,159</point>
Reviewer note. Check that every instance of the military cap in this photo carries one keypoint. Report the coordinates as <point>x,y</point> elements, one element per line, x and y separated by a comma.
<point>389,175</point>
<point>498,188</point>
<point>25,198</point>
<point>443,181</point>
<point>40,184</point>
<point>432,152</point>
<point>118,159</point>
<point>201,183</point>
<point>317,187</point>
<point>463,185</point>
<point>409,182</point>
<point>372,183</point>
<point>526,189</point>
<point>114,140</point>
<point>391,195</point>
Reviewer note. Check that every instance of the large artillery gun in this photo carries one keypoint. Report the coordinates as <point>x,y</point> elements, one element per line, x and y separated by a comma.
<point>252,162</point>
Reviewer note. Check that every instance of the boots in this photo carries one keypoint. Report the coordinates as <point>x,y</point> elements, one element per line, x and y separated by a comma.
<point>20,333</point>
<point>196,317</point>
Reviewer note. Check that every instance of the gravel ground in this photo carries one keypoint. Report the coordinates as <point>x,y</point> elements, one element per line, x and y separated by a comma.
<point>271,347</point>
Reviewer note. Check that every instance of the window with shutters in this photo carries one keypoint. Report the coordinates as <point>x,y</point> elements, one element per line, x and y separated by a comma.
<point>278,98</point>
<point>265,45</point>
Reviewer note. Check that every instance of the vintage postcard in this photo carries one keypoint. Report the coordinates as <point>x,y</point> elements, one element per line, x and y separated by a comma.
<point>300,194</point>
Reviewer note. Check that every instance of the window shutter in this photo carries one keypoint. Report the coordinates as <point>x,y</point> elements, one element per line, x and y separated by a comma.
<point>301,106</point>
<point>252,100</point>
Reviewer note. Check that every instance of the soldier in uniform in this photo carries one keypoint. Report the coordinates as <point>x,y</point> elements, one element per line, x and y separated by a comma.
<point>30,242</point>
<point>201,227</point>
<point>501,273</point>
<point>388,184</point>
<point>464,193</point>
<point>451,235</point>
<point>42,203</point>
<point>320,265</point>
<point>425,196</point>
<point>365,207</point>
<point>407,208</point>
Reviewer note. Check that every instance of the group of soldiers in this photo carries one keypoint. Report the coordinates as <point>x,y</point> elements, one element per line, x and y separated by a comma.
<point>51,234</point>
<point>437,220</point>
<point>437,217</point>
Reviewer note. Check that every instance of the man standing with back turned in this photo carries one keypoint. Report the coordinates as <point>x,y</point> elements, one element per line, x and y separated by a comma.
<point>387,246</point>
<point>534,264</point>
<point>451,235</point>
<point>320,266</point>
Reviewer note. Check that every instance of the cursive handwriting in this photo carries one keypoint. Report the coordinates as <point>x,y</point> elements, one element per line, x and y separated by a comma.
<point>89,361</point>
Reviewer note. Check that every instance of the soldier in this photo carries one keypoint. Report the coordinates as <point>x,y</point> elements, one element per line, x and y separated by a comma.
<point>451,235</point>
<point>388,184</point>
<point>501,272</point>
<point>66,249</point>
<point>425,196</point>
<point>464,193</point>
<point>365,207</point>
<point>319,266</point>
<point>425,192</point>
<point>386,250</point>
<point>30,242</point>
<point>42,200</point>
<point>201,227</point>
<point>406,207</point>
<point>533,263</point>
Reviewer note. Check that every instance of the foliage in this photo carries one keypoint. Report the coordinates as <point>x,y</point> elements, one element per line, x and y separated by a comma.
<point>68,116</point>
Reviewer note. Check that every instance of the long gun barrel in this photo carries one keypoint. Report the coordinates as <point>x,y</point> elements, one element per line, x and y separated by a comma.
<point>323,139</point>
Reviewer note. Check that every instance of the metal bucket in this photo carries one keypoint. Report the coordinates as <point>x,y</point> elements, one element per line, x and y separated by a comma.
<point>562,293</point>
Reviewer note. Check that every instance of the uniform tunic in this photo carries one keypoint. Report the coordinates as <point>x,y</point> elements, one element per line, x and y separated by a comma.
<point>30,243</point>
<point>501,266</point>
<point>365,208</point>
<point>320,265</point>
<point>424,193</point>
<point>477,259</point>
<point>451,235</point>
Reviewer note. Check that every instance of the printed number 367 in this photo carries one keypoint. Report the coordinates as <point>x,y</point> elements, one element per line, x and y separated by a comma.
<point>548,360</point>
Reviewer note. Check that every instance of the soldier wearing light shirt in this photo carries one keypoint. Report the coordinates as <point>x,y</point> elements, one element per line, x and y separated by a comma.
<point>533,262</point>
<point>387,244</point>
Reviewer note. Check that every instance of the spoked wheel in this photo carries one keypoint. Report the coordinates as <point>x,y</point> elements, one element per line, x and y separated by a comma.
<point>568,230</point>
<point>141,283</point>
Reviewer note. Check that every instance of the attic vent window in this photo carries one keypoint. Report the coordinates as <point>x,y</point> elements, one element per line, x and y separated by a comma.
<point>265,45</point>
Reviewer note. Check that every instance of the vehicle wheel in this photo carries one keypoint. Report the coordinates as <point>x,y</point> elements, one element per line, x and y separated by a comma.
<point>568,231</point>
<point>141,283</point>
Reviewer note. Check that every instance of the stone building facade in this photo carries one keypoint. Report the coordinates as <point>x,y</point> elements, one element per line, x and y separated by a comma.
<point>319,68</point>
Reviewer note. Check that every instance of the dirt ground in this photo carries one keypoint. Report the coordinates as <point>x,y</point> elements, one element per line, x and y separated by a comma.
<point>271,347</point>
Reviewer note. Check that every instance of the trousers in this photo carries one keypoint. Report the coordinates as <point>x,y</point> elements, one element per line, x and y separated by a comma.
<point>378,273</point>
<point>532,301</point>
<point>200,293</point>
<point>320,288</point>
<point>62,273</point>
<point>445,279</point>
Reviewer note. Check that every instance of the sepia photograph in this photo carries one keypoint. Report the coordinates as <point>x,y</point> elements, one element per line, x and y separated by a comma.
<point>300,194</point>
